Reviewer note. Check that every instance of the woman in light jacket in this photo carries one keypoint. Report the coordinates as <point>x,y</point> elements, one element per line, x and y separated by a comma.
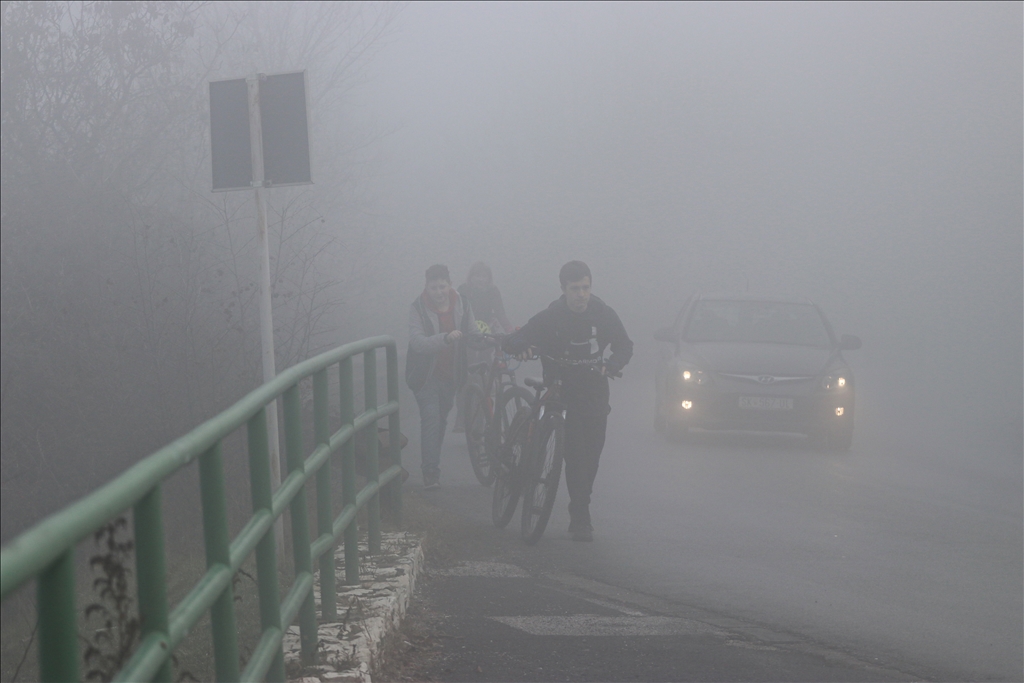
<point>435,366</point>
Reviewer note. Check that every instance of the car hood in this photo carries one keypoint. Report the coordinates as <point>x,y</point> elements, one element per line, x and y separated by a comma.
<point>761,359</point>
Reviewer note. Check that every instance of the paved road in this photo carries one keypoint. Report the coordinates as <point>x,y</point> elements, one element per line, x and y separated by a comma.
<point>905,553</point>
<point>497,621</point>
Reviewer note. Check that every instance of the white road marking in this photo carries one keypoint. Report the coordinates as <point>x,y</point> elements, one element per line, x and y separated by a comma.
<point>485,569</point>
<point>593,625</point>
<point>621,609</point>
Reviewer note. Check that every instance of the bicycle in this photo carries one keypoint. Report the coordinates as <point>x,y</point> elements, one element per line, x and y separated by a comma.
<point>489,409</point>
<point>531,458</point>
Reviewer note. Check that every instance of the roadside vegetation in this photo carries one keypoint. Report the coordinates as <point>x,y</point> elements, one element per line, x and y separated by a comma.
<point>128,291</point>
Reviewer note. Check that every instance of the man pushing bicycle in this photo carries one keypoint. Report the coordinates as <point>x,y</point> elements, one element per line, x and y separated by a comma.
<point>577,326</point>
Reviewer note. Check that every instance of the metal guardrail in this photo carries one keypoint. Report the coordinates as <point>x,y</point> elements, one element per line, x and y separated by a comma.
<point>46,551</point>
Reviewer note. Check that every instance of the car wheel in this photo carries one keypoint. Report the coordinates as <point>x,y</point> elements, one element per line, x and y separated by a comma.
<point>659,415</point>
<point>841,441</point>
<point>833,440</point>
<point>675,432</point>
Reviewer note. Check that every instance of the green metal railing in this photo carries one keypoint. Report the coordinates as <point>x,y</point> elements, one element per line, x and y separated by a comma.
<point>46,552</point>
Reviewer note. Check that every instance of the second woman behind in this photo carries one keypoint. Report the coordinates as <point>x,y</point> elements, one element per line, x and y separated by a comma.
<point>485,300</point>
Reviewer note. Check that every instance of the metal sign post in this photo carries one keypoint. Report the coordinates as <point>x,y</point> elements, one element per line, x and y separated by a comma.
<point>266,301</point>
<point>259,137</point>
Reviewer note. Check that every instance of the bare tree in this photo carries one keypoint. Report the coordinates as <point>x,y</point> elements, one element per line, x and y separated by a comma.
<point>127,293</point>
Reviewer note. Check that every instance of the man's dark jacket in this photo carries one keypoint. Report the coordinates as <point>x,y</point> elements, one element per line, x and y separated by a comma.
<point>560,332</point>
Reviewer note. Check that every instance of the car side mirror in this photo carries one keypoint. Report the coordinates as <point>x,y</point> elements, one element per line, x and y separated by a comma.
<point>849,342</point>
<point>666,334</point>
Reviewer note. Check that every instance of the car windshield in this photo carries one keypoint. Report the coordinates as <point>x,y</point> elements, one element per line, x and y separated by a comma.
<point>763,322</point>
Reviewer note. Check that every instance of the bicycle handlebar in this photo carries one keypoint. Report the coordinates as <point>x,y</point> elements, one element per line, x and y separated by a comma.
<point>485,338</point>
<point>592,363</point>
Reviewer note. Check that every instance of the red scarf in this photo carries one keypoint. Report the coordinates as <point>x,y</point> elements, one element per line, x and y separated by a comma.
<point>453,297</point>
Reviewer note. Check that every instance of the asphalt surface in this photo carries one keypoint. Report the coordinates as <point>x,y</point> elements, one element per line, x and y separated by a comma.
<point>496,621</point>
<point>744,557</point>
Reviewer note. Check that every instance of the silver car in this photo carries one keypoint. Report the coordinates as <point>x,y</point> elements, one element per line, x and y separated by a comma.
<point>756,363</point>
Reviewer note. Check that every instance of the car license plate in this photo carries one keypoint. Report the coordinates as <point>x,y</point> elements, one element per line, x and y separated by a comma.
<point>766,403</point>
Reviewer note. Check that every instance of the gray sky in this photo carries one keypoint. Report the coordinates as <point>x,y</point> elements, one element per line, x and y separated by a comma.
<point>865,156</point>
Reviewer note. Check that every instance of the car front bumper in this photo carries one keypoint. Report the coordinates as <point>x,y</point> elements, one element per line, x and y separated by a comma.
<point>808,413</point>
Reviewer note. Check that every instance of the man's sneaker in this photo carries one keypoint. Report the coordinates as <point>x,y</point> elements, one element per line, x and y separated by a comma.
<point>431,485</point>
<point>581,532</point>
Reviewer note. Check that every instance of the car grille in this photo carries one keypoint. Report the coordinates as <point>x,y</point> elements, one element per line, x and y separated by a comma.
<point>767,379</point>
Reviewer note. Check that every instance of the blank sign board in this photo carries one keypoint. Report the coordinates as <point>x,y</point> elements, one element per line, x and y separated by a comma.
<point>229,135</point>
<point>285,132</point>
<point>285,129</point>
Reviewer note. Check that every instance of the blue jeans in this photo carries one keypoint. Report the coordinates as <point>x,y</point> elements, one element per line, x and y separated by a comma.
<point>435,399</point>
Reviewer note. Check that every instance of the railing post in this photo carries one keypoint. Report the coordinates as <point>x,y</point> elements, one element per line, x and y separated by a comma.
<point>151,570</point>
<point>301,549</point>
<point>47,553</point>
<point>324,509</point>
<point>394,433</point>
<point>215,536</point>
<point>266,551</point>
<point>58,620</point>
<point>372,461</point>
<point>348,470</point>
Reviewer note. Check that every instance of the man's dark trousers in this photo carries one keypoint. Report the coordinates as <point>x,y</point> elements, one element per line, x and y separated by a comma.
<point>584,441</point>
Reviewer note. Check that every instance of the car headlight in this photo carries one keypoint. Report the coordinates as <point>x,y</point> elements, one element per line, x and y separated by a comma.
<point>836,381</point>
<point>690,374</point>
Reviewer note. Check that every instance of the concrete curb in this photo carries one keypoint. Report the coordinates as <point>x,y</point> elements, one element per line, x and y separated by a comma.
<point>367,612</point>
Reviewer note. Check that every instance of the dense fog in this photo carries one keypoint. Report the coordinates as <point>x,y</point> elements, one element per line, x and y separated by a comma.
<point>865,156</point>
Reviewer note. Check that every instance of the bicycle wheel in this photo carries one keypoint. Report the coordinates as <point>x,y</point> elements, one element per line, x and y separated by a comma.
<point>544,471</point>
<point>476,417</point>
<point>509,403</point>
<point>508,477</point>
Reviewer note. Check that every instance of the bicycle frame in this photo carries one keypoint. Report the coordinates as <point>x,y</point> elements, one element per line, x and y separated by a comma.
<point>482,408</point>
<point>531,469</point>
<point>551,396</point>
<point>540,468</point>
<point>494,374</point>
